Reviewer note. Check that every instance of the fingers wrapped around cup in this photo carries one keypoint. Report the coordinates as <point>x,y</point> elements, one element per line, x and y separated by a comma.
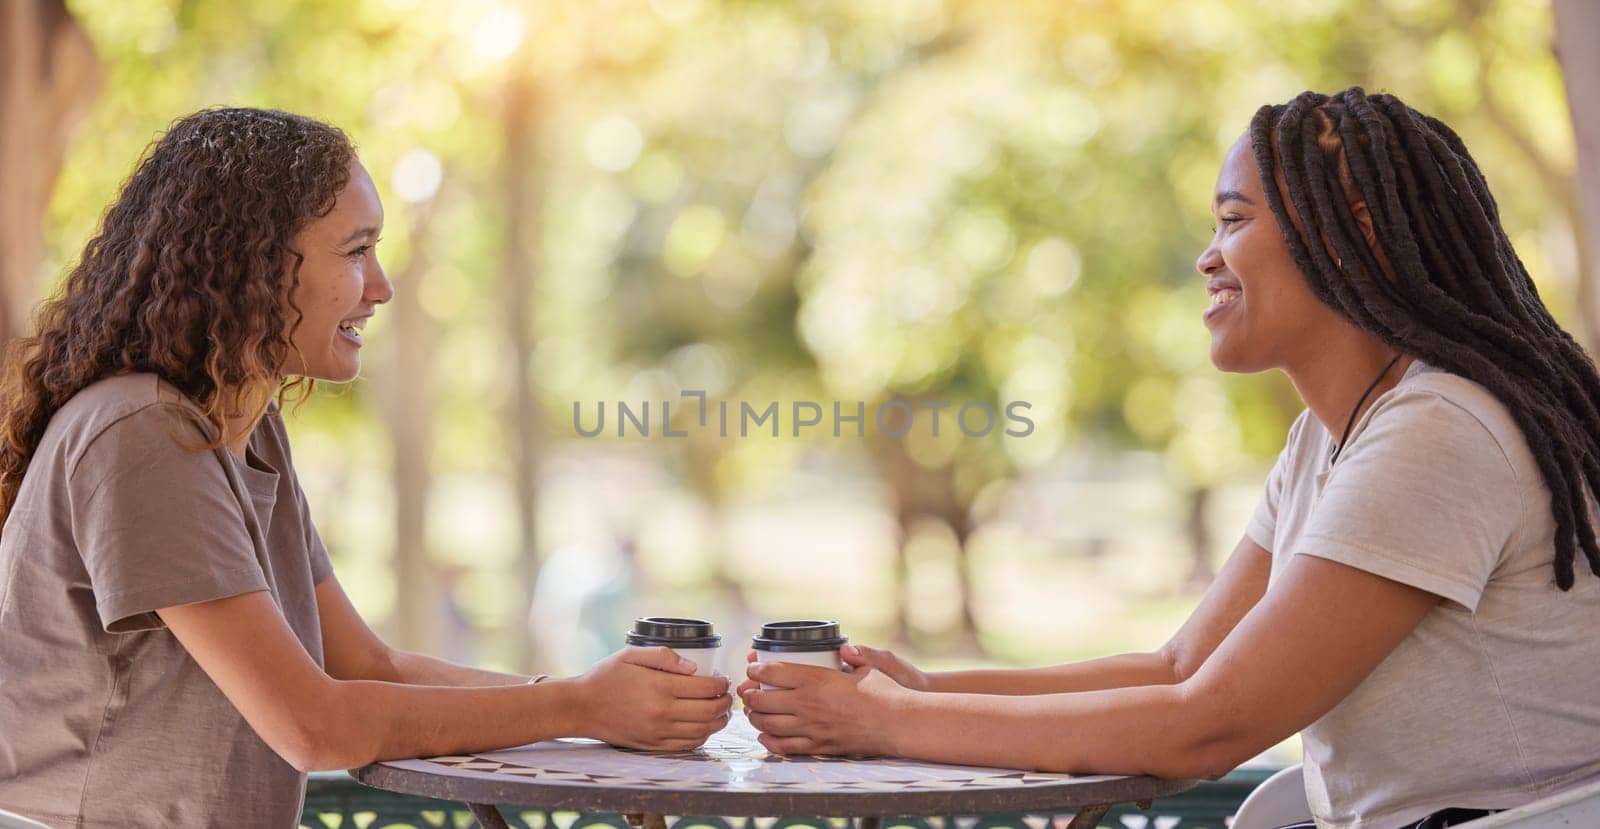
<point>805,709</point>
<point>652,697</point>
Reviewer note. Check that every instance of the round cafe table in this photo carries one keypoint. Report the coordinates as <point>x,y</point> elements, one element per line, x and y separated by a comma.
<point>733,776</point>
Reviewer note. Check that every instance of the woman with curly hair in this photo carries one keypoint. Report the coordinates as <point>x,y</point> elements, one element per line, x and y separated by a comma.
<point>175,649</point>
<point>1415,593</point>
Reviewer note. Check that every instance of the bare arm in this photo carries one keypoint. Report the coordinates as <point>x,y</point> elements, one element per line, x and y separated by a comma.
<point>351,650</point>
<point>1238,587</point>
<point>1296,654</point>
<point>638,697</point>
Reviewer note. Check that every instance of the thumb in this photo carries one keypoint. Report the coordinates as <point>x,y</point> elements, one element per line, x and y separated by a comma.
<point>863,657</point>
<point>659,658</point>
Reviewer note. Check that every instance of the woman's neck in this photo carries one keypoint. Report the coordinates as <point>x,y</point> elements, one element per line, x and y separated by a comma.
<point>1331,380</point>
<point>238,427</point>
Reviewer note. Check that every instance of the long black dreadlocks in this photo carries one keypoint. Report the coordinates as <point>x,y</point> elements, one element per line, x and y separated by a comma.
<point>1442,282</point>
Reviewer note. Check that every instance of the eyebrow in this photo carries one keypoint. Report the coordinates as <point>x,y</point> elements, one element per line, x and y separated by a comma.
<point>1233,195</point>
<point>365,231</point>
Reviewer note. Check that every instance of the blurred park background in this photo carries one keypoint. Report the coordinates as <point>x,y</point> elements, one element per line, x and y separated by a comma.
<point>775,201</point>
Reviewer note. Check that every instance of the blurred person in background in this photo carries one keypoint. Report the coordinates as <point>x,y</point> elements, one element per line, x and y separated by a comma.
<point>175,649</point>
<point>1415,592</point>
<point>582,601</point>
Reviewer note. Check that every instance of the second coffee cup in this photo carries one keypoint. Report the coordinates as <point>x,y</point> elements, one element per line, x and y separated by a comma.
<point>693,639</point>
<point>804,642</point>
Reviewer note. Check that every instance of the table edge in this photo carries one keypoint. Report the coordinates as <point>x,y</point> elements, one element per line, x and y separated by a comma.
<point>469,786</point>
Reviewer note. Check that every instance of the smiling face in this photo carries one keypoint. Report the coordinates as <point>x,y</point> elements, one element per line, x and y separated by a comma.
<point>1262,315</point>
<point>341,283</point>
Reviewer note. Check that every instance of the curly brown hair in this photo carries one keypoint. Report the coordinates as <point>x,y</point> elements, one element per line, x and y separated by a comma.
<point>190,277</point>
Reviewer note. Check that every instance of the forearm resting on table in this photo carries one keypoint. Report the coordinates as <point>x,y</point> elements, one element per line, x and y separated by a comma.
<point>410,668</point>
<point>1159,730</point>
<point>364,721</point>
<point>1121,671</point>
<point>1253,668</point>
<point>317,721</point>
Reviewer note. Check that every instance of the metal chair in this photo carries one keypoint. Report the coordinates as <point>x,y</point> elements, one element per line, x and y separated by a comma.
<point>1572,809</point>
<point>9,820</point>
<point>1279,800</point>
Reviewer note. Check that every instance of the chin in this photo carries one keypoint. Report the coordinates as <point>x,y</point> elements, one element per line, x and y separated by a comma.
<point>334,373</point>
<point>1235,360</point>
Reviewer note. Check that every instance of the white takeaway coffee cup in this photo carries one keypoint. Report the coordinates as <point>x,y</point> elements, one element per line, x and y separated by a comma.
<point>693,639</point>
<point>803,642</point>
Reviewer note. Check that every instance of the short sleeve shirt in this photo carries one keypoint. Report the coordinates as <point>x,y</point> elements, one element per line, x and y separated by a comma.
<point>1491,701</point>
<point>105,720</point>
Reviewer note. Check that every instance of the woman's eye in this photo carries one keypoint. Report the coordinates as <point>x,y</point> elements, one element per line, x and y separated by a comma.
<point>359,253</point>
<point>1225,220</point>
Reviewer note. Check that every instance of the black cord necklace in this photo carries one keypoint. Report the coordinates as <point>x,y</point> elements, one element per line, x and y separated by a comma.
<point>1352,421</point>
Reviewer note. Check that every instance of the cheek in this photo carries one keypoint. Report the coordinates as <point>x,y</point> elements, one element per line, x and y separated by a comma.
<point>1245,254</point>
<point>327,293</point>
<point>345,292</point>
<point>1269,276</point>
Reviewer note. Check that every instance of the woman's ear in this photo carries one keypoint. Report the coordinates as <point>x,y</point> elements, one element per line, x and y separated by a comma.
<point>1364,220</point>
<point>1358,208</point>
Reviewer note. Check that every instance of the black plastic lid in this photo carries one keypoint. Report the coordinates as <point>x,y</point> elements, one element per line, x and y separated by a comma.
<point>652,631</point>
<point>804,636</point>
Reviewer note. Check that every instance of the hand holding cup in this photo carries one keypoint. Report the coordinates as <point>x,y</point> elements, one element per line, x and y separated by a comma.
<point>806,709</point>
<point>650,698</point>
<point>810,693</point>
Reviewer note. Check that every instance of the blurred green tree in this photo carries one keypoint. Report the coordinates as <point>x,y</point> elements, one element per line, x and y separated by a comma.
<point>917,201</point>
<point>950,202</point>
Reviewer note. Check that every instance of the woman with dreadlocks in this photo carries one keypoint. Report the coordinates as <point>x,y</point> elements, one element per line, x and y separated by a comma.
<point>175,649</point>
<point>1414,593</point>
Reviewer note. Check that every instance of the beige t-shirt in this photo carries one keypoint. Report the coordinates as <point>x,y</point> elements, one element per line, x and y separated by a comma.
<point>105,720</point>
<point>1494,700</point>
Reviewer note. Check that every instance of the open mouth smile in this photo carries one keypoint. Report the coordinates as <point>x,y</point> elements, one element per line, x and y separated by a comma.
<point>350,329</point>
<point>1224,292</point>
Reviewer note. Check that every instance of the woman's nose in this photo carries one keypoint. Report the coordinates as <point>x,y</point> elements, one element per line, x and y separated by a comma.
<point>1210,260</point>
<point>379,288</point>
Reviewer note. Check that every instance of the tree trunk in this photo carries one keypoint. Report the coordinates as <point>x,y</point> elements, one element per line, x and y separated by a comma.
<point>1577,25</point>
<point>1198,527</point>
<point>958,515</point>
<point>48,76</point>
<point>408,413</point>
<point>519,268</point>
<point>928,493</point>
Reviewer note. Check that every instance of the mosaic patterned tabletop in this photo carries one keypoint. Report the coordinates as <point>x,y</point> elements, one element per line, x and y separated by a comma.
<point>732,767</point>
